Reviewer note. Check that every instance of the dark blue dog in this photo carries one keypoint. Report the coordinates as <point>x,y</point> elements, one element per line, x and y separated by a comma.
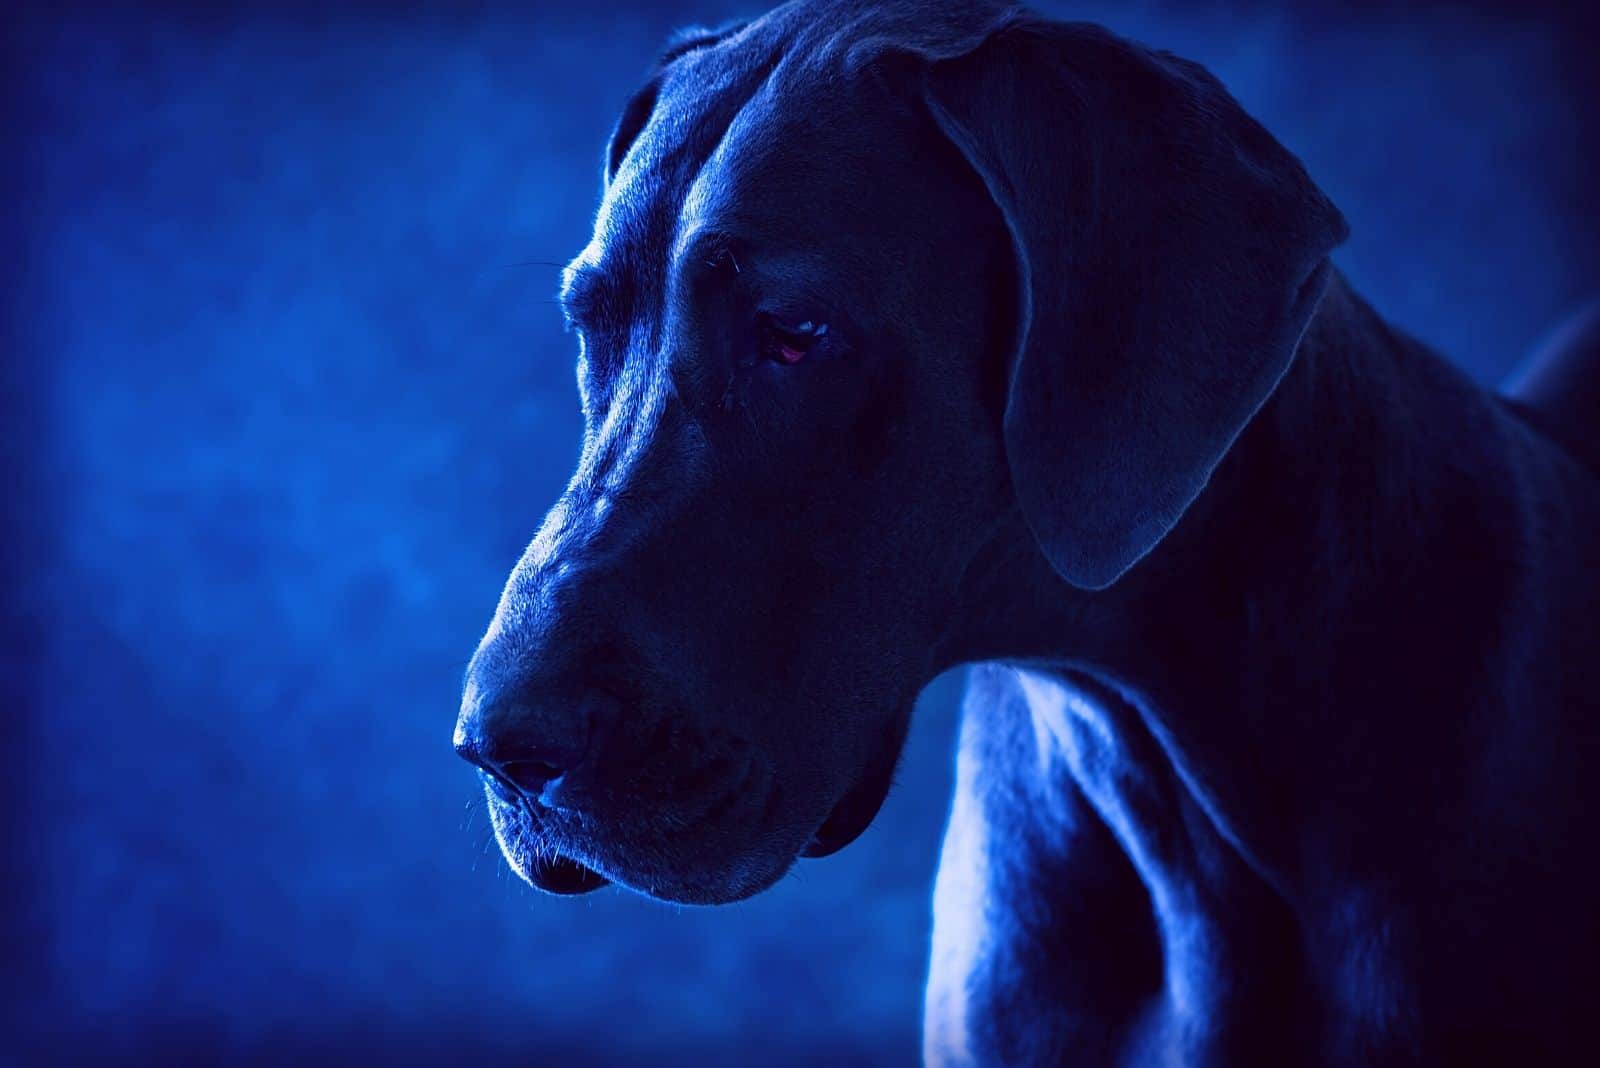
<point>925,334</point>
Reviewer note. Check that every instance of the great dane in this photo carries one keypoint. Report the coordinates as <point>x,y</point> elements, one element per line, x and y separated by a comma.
<point>914,335</point>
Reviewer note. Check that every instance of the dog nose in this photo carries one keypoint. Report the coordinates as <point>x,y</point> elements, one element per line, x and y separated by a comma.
<point>525,748</point>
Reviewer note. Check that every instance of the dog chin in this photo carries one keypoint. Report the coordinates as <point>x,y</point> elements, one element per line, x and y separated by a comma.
<point>696,883</point>
<point>561,859</point>
<point>687,873</point>
<point>679,883</point>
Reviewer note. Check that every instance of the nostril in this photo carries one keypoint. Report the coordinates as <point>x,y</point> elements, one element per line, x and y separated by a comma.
<point>508,778</point>
<point>530,775</point>
<point>503,788</point>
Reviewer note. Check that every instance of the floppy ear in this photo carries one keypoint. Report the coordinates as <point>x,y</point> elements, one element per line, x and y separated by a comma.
<point>1170,255</point>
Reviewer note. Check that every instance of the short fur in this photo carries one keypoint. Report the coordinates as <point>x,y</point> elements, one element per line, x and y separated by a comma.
<point>1283,746</point>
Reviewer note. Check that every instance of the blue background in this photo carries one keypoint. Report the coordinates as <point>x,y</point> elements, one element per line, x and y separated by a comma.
<point>284,396</point>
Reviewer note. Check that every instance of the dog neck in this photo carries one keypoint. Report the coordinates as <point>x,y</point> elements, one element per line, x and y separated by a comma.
<point>1331,501</point>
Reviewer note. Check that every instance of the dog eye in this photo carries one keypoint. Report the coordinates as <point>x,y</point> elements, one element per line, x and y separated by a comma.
<point>789,343</point>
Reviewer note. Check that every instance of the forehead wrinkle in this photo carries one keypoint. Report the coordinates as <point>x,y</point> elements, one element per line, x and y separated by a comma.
<point>639,222</point>
<point>792,151</point>
<point>697,100</point>
<point>716,179</point>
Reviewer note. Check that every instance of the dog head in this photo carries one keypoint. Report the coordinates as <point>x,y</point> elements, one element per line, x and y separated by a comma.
<point>867,285</point>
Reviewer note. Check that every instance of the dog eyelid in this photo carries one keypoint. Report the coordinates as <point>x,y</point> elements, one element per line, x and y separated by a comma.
<point>789,344</point>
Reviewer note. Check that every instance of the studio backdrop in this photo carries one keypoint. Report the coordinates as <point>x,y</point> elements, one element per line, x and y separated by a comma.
<point>285,393</point>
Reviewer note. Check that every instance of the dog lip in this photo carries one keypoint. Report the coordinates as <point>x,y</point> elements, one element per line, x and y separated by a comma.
<point>556,874</point>
<point>850,817</point>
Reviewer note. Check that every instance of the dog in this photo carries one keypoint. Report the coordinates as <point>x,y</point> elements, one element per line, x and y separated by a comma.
<point>914,335</point>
